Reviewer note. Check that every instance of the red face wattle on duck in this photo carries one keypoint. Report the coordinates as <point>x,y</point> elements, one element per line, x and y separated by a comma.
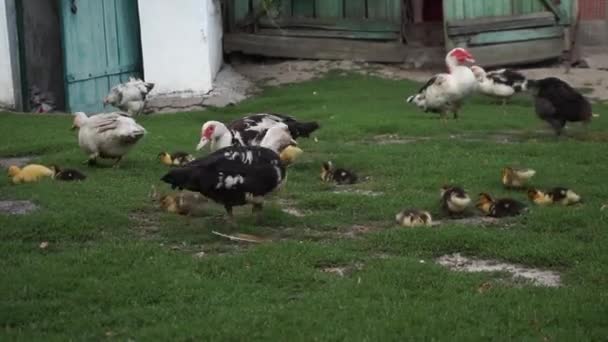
<point>462,55</point>
<point>206,135</point>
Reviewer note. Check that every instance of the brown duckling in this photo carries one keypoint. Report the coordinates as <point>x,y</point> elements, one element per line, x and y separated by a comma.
<point>338,175</point>
<point>175,158</point>
<point>559,195</point>
<point>516,177</point>
<point>501,207</point>
<point>67,174</point>
<point>454,200</point>
<point>185,202</point>
<point>414,218</point>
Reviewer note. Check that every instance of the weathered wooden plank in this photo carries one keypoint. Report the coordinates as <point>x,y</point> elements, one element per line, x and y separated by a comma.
<point>517,52</point>
<point>354,9</point>
<point>334,24</point>
<point>376,9</point>
<point>303,8</point>
<point>394,10</point>
<point>241,9</point>
<point>515,35</point>
<point>471,26</point>
<point>325,48</point>
<point>329,8</point>
<point>331,34</point>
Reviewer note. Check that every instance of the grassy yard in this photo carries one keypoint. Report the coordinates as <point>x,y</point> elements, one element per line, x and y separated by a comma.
<point>116,267</point>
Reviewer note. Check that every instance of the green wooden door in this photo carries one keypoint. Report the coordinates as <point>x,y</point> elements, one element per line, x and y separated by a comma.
<point>101,48</point>
<point>507,31</point>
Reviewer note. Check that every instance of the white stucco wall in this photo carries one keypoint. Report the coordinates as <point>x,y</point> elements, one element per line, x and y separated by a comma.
<point>214,36</point>
<point>9,64</point>
<point>181,44</point>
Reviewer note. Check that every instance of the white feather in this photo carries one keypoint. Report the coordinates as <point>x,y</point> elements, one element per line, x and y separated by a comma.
<point>109,134</point>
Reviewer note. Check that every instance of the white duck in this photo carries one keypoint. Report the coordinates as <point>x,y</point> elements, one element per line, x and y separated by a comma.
<point>107,135</point>
<point>502,83</point>
<point>130,96</point>
<point>444,93</point>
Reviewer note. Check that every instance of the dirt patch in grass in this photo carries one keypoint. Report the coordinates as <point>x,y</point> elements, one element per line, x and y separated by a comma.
<point>358,230</point>
<point>387,139</point>
<point>340,270</point>
<point>18,161</point>
<point>145,223</point>
<point>289,208</point>
<point>17,207</point>
<point>358,192</point>
<point>535,276</point>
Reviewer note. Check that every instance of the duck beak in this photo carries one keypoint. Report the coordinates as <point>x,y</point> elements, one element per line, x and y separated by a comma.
<point>202,143</point>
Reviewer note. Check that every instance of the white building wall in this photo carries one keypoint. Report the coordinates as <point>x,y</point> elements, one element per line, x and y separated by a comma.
<point>181,44</point>
<point>9,56</point>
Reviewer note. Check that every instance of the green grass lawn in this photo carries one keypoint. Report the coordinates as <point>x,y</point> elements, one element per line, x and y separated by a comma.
<point>116,267</point>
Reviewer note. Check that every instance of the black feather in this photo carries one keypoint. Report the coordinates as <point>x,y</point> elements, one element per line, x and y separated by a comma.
<point>258,169</point>
<point>557,103</point>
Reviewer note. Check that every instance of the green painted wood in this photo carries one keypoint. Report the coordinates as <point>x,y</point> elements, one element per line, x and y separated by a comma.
<point>286,11</point>
<point>303,8</point>
<point>515,35</point>
<point>334,24</point>
<point>376,9</point>
<point>384,9</point>
<point>354,9</point>
<point>101,44</point>
<point>329,8</point>
<point>312,33</point>
<point>241,9</point>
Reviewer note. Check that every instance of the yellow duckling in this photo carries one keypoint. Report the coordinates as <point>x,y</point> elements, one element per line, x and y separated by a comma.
<point>29,174</point>
<point>414,218</point>
<point>516,178</point>
<point>290,154</point>
<point>175,158</point>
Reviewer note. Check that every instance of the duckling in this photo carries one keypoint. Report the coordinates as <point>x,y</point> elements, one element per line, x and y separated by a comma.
<point>558,195</point>
<point>539,197</point>
<point>290,154</point>
<point>185,202</point>
<point>565,196</point>
<point>515,177</point>
<point>498,208</point>
<point>414,218</point>
<point>454,200</point>
<point>175,158</point>
<point>67,174</point>
<point>341,176</point>
<point>29,174</point>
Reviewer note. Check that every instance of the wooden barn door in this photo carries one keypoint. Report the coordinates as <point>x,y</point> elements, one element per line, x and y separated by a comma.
<point>507,31</point>
<point>101,48</point>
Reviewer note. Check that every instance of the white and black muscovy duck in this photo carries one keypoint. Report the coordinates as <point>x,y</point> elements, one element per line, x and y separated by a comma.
<point>445,93</point>
<point>501,83</point>
<point>250,130</point>
<point>129,97</point>
<point>237,175</point>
